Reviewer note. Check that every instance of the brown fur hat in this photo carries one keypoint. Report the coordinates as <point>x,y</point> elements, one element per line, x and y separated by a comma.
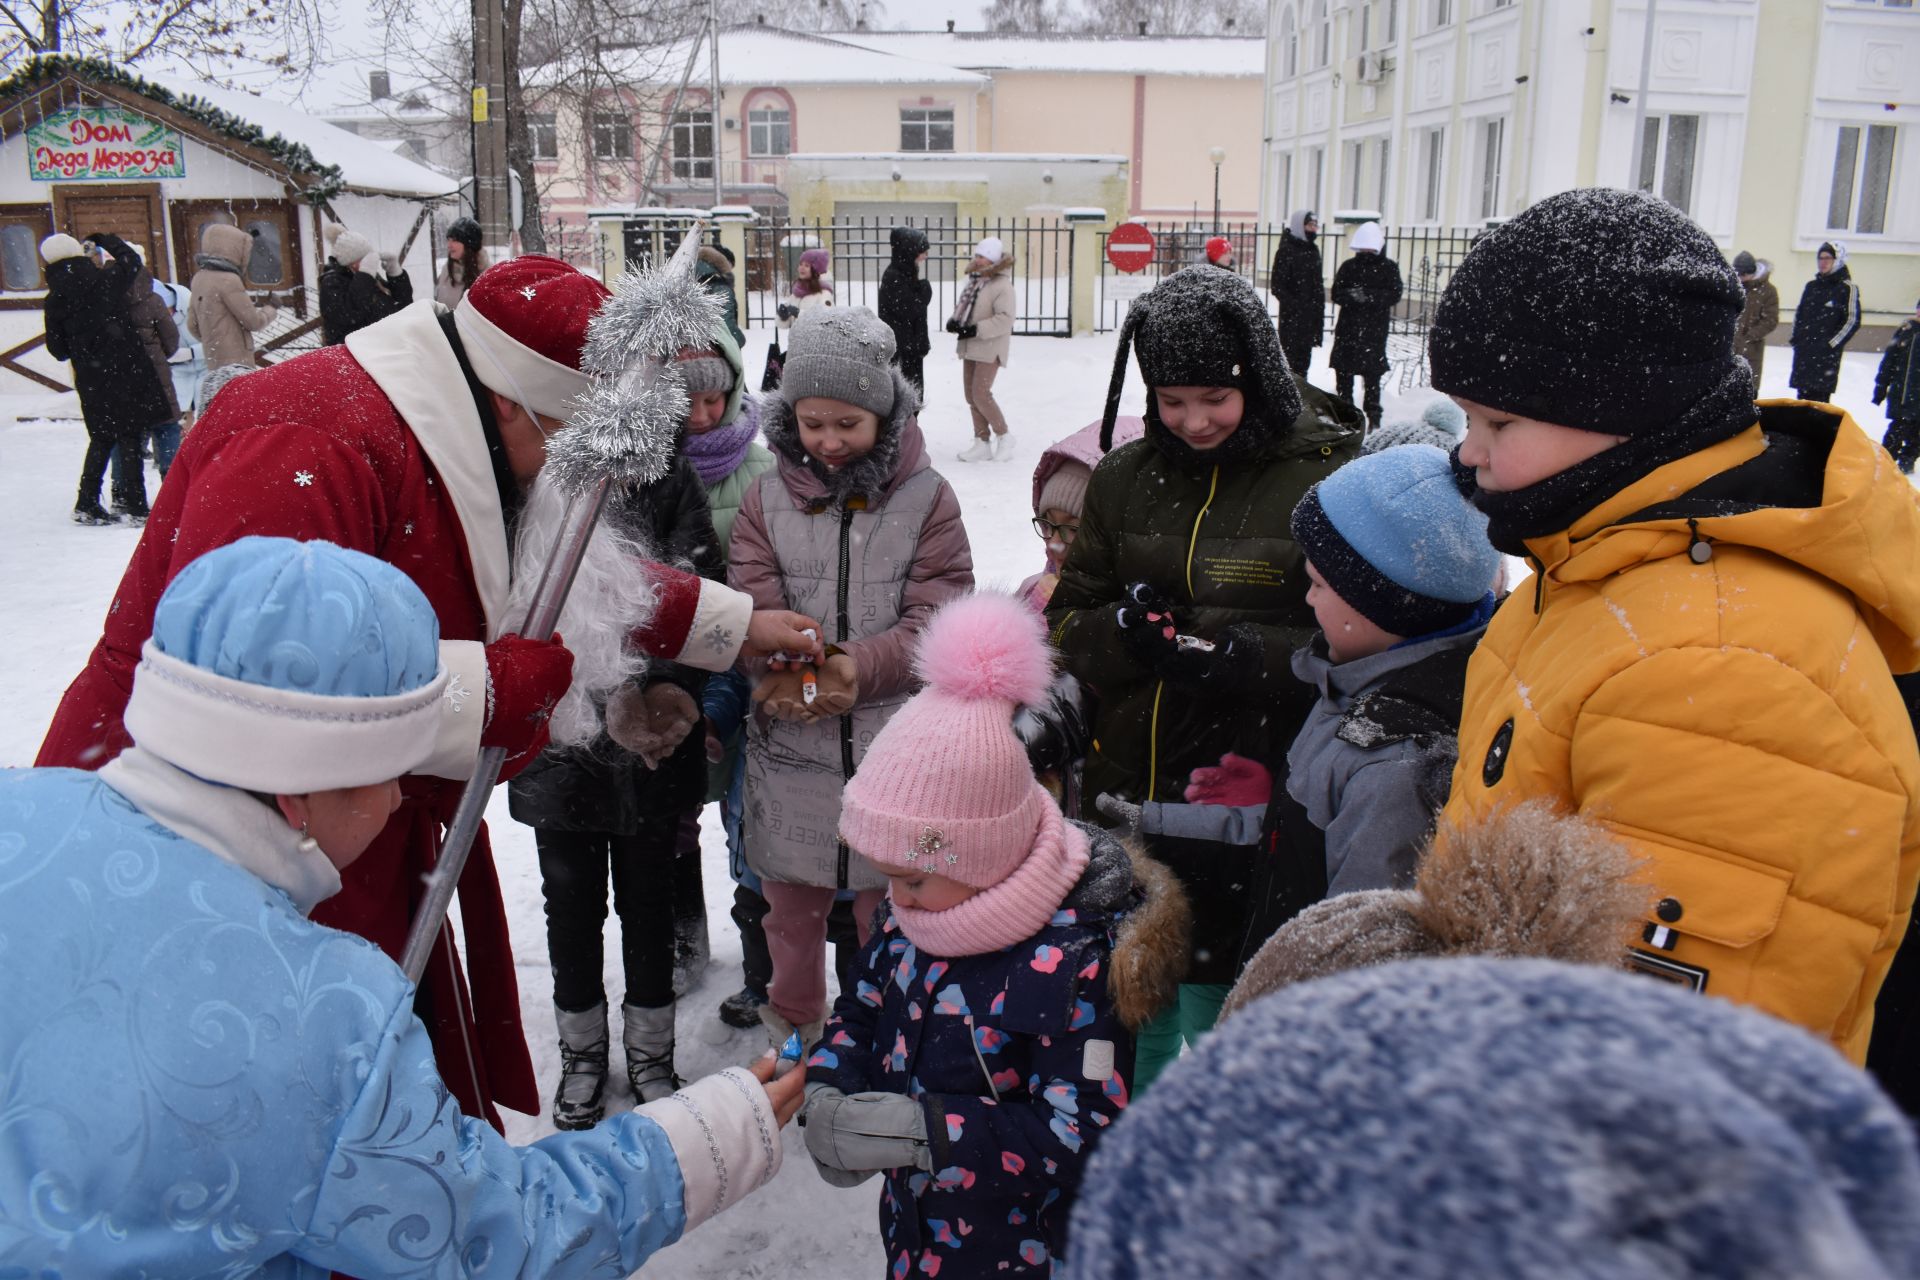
<point>1526,882</point>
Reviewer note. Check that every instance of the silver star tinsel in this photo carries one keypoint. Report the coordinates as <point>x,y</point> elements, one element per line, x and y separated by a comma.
<point>637,399</point>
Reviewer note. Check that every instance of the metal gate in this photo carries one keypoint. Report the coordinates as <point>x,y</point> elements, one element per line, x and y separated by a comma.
<point>861,248</point>
<point>1426,257</point>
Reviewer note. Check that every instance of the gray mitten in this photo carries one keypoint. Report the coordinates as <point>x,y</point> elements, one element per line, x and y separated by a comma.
<point>1125,816</point>
<point>390,264</point>
<point>864,1132</point>
<point>651,721</point>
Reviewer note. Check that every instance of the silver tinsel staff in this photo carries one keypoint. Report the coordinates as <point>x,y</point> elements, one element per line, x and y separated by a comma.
<point>623,434</point>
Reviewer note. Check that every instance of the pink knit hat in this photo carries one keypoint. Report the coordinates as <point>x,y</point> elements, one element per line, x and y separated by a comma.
<point>946,786</point>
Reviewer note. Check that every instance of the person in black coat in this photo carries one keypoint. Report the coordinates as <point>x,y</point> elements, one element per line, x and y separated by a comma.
<point>904,297</point>
<point>1897,386</point>
<point>1825,321</point>
<point>121,397</point>
<point>615,805</point>
<point>352,298</point>
<point>1366,288</point>
<point>1297,286</point>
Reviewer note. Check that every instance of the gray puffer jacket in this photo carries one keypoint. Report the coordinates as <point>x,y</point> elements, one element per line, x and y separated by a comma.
<point>871,551</point>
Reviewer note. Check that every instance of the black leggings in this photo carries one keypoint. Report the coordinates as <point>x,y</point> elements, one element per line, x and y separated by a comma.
<point>1343,384</point>
<point>573,877</point>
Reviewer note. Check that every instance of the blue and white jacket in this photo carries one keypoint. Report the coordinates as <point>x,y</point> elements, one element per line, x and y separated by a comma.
<point>196,1080</point>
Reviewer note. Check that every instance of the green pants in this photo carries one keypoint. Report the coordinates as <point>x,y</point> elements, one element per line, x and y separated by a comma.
<point>1180,1024</point>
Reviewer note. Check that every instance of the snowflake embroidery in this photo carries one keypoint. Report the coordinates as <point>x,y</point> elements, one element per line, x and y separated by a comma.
<point>407,529</point>
<point>527,293</point>
<point>719,639</point>
<point>303,478</point>
<point>457,692</point>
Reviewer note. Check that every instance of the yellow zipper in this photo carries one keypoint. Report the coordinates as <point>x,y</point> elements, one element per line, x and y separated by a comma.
<point>1153,726</point>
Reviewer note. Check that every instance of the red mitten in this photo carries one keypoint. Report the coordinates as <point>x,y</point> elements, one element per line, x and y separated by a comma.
<point>526,678</point>
<point>1236,781</point>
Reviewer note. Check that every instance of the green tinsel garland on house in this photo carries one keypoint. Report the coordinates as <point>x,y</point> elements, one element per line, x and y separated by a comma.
<point>327,180</point>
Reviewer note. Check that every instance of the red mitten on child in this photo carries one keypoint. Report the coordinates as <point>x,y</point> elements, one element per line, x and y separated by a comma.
<point>1236,781</point>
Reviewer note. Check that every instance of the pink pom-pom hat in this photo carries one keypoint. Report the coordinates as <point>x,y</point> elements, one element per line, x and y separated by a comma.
<point>946,786</point>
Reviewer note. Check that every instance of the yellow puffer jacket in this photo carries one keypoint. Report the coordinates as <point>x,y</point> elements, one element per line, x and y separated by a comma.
<point>1708,670</point>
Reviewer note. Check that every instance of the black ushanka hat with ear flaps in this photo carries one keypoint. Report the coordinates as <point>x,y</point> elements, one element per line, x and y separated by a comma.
<point>1203,327</point>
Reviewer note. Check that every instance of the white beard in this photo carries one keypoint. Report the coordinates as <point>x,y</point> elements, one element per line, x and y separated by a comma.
<point>612,596</point>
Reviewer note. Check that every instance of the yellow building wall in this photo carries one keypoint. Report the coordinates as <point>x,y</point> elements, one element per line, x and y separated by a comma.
<point>857,117</point>
<point>1056,111</point>
<point>1186,116</point>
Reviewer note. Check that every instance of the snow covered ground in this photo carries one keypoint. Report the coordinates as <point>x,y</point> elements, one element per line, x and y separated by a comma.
<point>58,578</point>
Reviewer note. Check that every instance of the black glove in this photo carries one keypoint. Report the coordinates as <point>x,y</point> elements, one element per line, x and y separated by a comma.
<point>1145,623</point>
<point>1879,394</point>
<point>969,330</point>
<point>1054,730</point>
<point>785,311</point>
<point>953,326</point>
<point>1229,669</point>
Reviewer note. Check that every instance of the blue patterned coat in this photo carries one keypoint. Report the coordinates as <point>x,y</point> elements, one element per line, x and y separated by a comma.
<point>196,1080</point>
<point>1031,1024</point>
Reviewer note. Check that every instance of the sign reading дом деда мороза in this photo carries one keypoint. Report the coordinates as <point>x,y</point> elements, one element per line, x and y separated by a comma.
<point>100,143</point>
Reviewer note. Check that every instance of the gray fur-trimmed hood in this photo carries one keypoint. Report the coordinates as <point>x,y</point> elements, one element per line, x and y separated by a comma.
<point>897,453</point>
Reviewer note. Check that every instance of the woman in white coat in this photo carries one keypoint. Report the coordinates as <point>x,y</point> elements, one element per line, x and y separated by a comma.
<point>983,319</point>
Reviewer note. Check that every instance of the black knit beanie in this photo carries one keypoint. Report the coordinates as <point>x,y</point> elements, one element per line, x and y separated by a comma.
<point>1203,327</point>
<point>1606,310</point>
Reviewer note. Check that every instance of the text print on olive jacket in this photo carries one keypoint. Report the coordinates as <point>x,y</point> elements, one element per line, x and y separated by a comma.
<point>1705,665</point>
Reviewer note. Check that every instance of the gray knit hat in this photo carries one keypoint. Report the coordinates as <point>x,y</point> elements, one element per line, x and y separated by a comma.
<point>704,370</point>
<point>842,353</point>
<point>1442,424</point>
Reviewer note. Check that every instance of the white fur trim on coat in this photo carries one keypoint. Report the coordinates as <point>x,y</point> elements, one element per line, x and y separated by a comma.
<point>463,711</point>
<point>408,357</point>
<point>277,740</point>
<point>724,1137</point>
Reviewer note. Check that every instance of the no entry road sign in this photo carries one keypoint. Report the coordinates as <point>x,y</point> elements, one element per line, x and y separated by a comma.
<point>1130,247</point>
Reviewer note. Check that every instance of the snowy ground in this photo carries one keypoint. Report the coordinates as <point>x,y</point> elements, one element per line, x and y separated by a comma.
<point>58,577</point>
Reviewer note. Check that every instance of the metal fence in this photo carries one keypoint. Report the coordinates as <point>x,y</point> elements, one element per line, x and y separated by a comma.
<point>1426,256</point>
<point>861,249</point>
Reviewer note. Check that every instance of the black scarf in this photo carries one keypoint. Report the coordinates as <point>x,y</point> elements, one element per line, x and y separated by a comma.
<point>1558,501</point>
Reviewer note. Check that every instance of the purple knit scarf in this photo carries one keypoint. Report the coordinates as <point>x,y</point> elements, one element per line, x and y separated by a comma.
<point>716,453</point>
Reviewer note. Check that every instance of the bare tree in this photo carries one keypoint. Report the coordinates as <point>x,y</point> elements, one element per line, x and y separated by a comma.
<point>803,15</point>
<point>1028,16</point>
<point>1175,17</point>
<point>214,38</point>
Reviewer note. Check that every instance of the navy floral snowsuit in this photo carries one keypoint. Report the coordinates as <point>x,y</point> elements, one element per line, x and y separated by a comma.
<point>1035,1020</point>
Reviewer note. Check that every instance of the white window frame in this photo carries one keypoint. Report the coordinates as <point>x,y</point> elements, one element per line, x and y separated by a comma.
<point>1430,159</point>
<point>1656,176</point>
<point>543,135</point>
<point>1864,135</point>
<point>929,118</point>
<point>757,127</point>
<point>1322,36</point>
<point>1289,43</point>
<point>612,134</point>
<point>688,124</point>
<point>1316,190</point>
<point>1490,173</point>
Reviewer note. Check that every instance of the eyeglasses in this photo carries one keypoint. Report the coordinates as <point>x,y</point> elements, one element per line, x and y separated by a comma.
<point>1048,529</point>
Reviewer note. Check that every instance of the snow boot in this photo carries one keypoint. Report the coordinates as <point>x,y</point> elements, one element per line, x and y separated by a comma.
<point>648,1034</point>
<point>742,1008</point>
<point>92,513</point>
<point>1003,447</point>
<point>578,1102</point>
<point>978,451</point>
<point>135,516</point>
<point>778,1029</point>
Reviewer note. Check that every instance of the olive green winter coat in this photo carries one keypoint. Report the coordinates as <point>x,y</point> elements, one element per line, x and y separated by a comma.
<point>1216,540</point>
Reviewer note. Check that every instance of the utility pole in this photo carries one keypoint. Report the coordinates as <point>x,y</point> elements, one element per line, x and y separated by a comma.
<point>491,185</point>
<point>713,94</point>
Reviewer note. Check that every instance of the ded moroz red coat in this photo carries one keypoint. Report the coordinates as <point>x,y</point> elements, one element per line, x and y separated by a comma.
<point>376,445</point>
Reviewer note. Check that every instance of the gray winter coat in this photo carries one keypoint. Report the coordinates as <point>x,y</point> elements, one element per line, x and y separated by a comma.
<point>871,551</point>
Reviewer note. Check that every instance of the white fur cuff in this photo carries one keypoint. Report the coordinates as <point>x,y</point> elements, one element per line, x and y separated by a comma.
<point>725,1138</point>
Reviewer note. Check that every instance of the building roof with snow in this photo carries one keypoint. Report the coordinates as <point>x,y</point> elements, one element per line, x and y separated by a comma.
<point>763,55</point>
<point>987,52</point>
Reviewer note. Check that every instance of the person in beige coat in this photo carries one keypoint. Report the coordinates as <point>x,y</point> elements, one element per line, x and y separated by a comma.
<point>983,319</point>
<point>221,314</point>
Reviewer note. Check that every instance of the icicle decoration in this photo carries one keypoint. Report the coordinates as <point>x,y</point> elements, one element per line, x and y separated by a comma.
<point>637,401</point>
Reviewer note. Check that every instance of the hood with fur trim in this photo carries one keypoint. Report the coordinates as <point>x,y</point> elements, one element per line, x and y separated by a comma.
<point>899,451</point>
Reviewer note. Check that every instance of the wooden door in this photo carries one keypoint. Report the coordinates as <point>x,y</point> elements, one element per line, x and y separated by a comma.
<point>275,266</point>
<point>129,210</point>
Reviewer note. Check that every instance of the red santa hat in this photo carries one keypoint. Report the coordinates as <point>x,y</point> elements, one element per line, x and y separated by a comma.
<point>524,325</point>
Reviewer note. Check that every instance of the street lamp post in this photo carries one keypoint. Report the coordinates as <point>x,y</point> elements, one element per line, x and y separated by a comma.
<point>1217,155</point>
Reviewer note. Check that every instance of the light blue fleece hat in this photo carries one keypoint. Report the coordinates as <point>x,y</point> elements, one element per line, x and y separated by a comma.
<point>1392,535</point>
<point>288,667</point>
